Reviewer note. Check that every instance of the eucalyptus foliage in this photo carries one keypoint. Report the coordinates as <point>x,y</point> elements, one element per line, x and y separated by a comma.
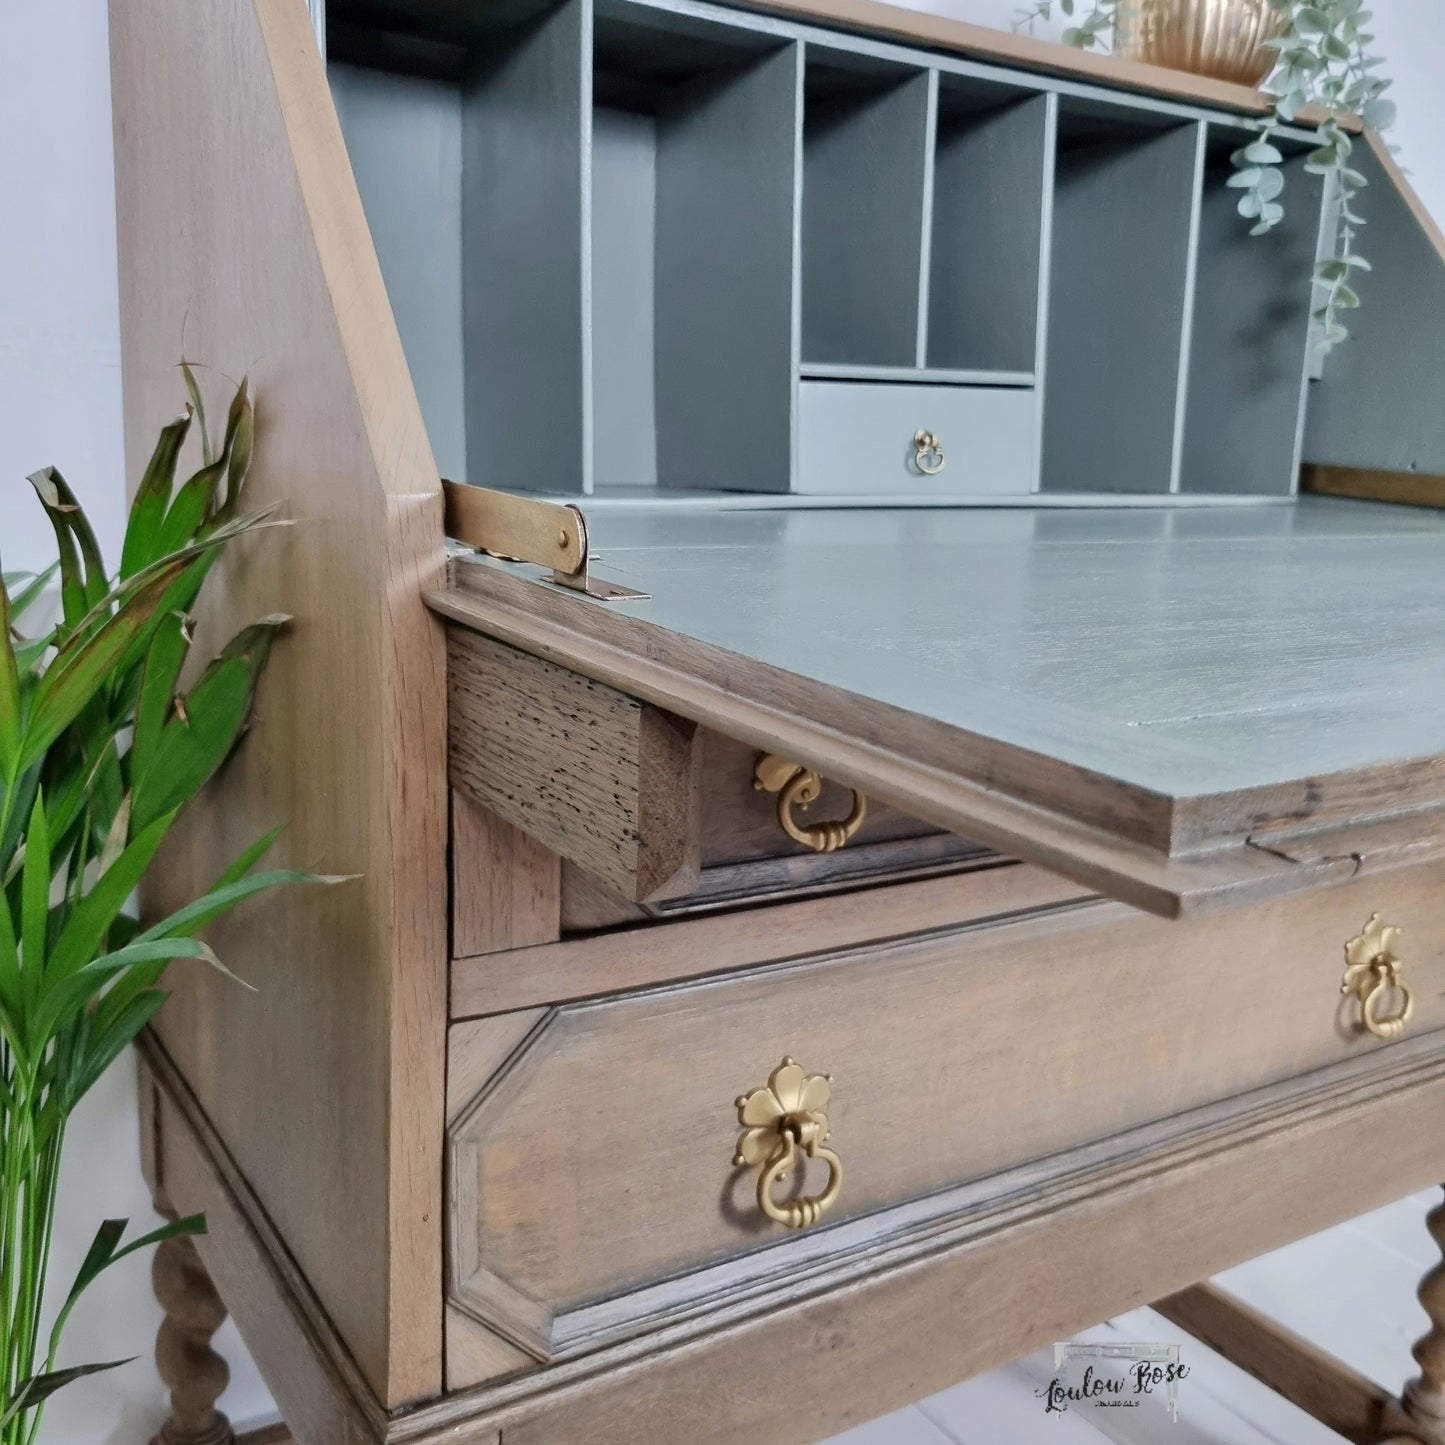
<point>100,748</point>
<point>1095,23</point>
<point>1323,59</point>
<point>1324,62</point>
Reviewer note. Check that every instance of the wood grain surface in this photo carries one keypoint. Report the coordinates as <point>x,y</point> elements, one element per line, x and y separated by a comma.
<point>588,905</point>
<point>747,858</point>
<point>1064,1251</point>
<point>1144,1020</point>
<point>604,780</point>
<point>243,246</point>
<point>778,715</point>
<point>913,26</point>
<point>506,887</point>
<point>1060,1253</point>
<point>308,1368</point>
<point>1353,1406</point>
<point>652,953</point>
<point>1412,489</point>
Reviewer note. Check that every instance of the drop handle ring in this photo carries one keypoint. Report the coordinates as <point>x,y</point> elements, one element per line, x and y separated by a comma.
<point>784,1125</point>
<point>928,454</point>
<point>1372,975</point>
<point>798,788</point>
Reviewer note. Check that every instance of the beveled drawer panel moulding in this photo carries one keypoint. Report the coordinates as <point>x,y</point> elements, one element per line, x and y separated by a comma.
<point>595,1182</point>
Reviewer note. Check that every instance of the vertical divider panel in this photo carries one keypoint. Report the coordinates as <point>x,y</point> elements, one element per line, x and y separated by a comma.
<point>1191,281</point>
<point>1124,192</point>
<point>795,310</point>
<point>925,239</point>
<point>726,204</point>
<point>1250,341</point>
<point>1046,247</point>
<point>795,395</point>
<point>865,164</point>
<point>526,137</point>
<point>989,195</point>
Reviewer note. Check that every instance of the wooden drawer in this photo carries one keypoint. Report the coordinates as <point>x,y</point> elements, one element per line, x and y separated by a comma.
<point>651,816</point>
<point>593,1189</point>
<point>746,857</point>
<point>857,437</point>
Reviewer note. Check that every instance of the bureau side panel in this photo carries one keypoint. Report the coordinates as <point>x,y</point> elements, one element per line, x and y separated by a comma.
<point>1376,407</point>
<point>242,240</point>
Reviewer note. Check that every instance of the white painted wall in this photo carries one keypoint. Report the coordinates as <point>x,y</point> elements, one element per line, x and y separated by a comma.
<point>60,404</point>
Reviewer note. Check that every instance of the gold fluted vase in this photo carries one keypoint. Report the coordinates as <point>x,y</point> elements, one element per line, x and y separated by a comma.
<point>1220,38</point>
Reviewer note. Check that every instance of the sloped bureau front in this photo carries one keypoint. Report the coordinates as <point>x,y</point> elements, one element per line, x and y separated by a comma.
<point>593,1185</point>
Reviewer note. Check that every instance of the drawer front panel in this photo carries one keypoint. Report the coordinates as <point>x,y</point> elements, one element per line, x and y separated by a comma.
<point>599,1160</point>
<point>858,437</point>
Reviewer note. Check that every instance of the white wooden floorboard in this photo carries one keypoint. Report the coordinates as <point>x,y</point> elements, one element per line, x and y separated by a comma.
<point>1351,1290</point>
<point>1002,1407</point>
<point>903,1427</point>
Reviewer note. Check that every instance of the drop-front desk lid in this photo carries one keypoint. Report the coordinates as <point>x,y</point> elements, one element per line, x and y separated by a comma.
<point>1183,709</point>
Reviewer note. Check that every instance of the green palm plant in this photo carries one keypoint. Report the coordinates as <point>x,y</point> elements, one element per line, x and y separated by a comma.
<point>100,749</point>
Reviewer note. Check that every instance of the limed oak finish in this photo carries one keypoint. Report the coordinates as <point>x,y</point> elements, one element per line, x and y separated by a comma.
<point>591,772</point>
<point>1135,964</point>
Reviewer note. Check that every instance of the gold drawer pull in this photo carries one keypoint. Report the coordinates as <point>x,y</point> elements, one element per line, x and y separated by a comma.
<point>928,454</point>
<point>799,787</point>
<point>784,1122</point>
<point>1372,973</point>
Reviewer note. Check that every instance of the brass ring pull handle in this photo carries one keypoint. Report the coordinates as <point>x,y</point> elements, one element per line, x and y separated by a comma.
<point>1387,978</point>
<point>797,1213</point>
<point>784,1123</point>
<point>1372,974</point>
<point>928,454</point>
<point>798,788</point>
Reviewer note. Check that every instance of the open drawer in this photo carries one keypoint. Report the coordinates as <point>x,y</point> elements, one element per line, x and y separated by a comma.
<point>747,855</point>
<point>652,817</point>
<point>1184,711</point>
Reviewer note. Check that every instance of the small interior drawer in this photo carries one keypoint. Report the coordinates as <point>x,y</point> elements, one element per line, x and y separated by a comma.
<point>746,857</point>
<point>650,815</point>
<point>859,437</point>
<point>595,1187</point>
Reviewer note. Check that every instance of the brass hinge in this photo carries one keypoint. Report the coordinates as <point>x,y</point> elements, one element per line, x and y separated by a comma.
<point>527,529</point>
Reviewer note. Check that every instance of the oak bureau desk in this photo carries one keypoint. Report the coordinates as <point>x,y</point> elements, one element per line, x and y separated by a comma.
<point>892,831</point>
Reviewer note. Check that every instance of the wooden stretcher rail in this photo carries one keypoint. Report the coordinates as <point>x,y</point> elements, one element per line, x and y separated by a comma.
<point>1325,1388</point>
<point>654,953</point>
